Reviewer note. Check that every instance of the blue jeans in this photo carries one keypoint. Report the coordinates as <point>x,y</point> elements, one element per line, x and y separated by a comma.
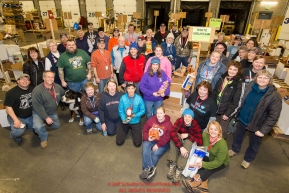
<point>17,132</point>
<point>183,60</point>
<point>111,125</point>
<point>151,107</point>
<point>150,158</point>
<point>77,86</point>
<point>102,84</point>
<point>254,142</point>
<point>88,123</point>
<point>39,125</point>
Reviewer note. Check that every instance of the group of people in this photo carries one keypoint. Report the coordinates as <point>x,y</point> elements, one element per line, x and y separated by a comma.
<point>223,90</point>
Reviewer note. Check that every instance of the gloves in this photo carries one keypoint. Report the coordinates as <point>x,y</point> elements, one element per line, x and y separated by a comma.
<point>96,120</point>
<point>127,120</point>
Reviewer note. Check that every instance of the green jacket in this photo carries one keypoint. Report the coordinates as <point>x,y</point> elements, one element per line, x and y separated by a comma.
<point>218,153</point>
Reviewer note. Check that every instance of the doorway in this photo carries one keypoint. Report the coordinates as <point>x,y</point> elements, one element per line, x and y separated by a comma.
<point>195,13</point>
<point>163,8</point>
<point>238,12</point>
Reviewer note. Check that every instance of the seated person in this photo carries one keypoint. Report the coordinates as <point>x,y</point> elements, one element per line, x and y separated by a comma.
<point>184,133</point>
<point>89,107</point>
<point>218,159</point>
<point>156,138</point>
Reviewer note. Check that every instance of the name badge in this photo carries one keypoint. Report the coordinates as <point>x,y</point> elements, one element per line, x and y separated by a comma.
<point>106,67</point>
<point>163,40</point>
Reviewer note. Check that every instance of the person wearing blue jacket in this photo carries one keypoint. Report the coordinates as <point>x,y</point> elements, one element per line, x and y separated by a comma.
<point>150,85</point>
<point>211,70</point>
<point>170,48</point>
<point>130,109</point>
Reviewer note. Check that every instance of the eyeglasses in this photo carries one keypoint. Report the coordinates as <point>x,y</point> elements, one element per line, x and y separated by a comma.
<point>263,77</point>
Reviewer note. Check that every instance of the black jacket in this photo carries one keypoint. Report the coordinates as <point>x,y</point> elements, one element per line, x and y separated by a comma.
<point>267,111</point>
<point>229,101</point>
<point>159,38</point>
<point>34,71</point>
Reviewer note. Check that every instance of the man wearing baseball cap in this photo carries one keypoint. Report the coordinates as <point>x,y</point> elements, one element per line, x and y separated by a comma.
<point>62,46</point>
<point>161,35</point>
<point>184,49</point>
<point>91,34</point>
<point>114,40</point>
<point>175,30</point>
<point>102,35</point>
<point>18,105</point>
<point>231,51</point>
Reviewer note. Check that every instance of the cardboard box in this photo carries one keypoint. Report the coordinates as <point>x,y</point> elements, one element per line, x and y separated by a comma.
<point>3,117</point>
<point>17,69</point>
<point>287,79</point>
<point>54,25</point>
<point>271,59</point>
<point>173,114</point>
<point>11,29</point>
<point>11,49</point>
<point>283,123</point>
<point>280,71</point>
<point>3,53</point>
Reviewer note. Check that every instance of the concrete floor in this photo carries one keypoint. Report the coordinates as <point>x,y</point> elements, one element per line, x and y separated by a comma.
<point>76,162</point>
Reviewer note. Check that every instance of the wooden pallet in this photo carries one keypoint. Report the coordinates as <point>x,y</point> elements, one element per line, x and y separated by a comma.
<point>276,132</point>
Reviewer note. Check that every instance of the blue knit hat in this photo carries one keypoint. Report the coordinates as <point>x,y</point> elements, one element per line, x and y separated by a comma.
<point>188,112</point>
<point>155,60</point>
<point>133,45</point>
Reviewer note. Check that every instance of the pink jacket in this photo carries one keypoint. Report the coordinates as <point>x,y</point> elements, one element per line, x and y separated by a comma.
<point>166,65</point>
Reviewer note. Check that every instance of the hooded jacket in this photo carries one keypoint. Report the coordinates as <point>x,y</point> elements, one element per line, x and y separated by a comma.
<point>165,130</point>
<point>170,52</point>
<point>131,69</point>
<point>150,84</point>
<point>267,111</point>
<point>108,106</point>
<point>230,98</point>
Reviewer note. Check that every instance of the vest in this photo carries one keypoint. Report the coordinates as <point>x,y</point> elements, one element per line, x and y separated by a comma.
<point>53,59</point>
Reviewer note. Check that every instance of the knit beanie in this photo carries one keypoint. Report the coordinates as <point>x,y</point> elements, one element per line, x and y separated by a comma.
<point>133,45</point>
<point>155,60</point>
<point>171,35</point>
<point>188,112</point>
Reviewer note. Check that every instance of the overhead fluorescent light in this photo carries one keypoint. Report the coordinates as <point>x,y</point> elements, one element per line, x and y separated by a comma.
<point>269,2</point>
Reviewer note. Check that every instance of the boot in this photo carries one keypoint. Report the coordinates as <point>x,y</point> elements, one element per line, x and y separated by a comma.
<point>192,183</point>
<point>203,188</point>
<point>178,174</point>
<point>172,169</point>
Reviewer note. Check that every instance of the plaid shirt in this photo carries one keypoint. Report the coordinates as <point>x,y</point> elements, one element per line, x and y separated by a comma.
<point>195,132</point>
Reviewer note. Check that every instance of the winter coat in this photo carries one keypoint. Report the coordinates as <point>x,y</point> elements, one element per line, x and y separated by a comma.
<point>158,37</point>
<point>229,101</point>
<point>267,112</point>
<point>195,132</point>
<point>131,69</point>
<point>138,108</point>
<point>150,84</point>
<point>170,52</point>
<point>166,127</point>
<point>34,71</point>
<point>86,106</point>
<point>186,51</point>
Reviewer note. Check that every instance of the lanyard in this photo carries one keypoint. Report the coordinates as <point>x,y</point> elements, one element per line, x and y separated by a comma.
<point>195,105</point>
<point>104,58</point>
<point>209,72</point>
<point>51,93</point>
<point>92,102</point>
<point>212,143</point>
<point>225,83</point>
<point>130,38</point>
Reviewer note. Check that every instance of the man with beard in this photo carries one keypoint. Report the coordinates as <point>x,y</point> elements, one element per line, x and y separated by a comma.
<point>161,35</point>
<point>75,62</point>
<point>18,106</point>
<point>101,35</point>
<point>45,100</point>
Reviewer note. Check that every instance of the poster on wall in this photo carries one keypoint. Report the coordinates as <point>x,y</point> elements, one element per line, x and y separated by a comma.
<point>285,28</point>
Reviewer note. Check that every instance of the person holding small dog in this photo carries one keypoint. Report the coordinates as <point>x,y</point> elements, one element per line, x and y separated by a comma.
<point>45,100</point>
<point>108,107</point>
<point>130,109</point>
<point>101,63</point>
<point>90,107</point>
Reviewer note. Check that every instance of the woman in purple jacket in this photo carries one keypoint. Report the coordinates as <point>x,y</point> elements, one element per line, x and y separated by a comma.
<point>154,85</point>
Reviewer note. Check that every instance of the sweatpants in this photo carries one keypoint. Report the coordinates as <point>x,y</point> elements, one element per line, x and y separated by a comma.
<point>123,129</point>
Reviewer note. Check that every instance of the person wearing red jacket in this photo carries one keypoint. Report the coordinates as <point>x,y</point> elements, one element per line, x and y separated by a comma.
<point>156,138</point>
<point>132,67</point>
<point>184,133</point>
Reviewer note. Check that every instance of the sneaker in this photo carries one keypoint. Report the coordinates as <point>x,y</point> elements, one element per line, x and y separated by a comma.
<point>231,153</point>
<point>171,170</point>
<point>43,144</point>
<point>145,173</point>
<point>89,131</point>
<point>18,140</point>
<point>245,164</point>
<point>152,172</point>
